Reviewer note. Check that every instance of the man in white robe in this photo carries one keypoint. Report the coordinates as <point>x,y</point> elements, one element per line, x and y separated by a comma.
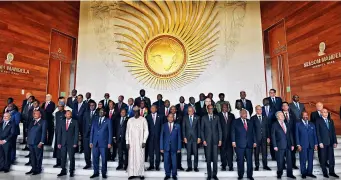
<point>136,138</point>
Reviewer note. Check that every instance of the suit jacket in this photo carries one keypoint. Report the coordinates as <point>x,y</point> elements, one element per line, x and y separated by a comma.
<point>178,119</point>
<point>59,118</point>
<point>24,102</point>
<point>8,133</point>
<point>162,111</point>
<point>261,128</point>
<point>138,101</point>
<point>37,132</point>
<point>291,123</point>
<point>280,139</point>
<point>118,110</point>
<point>71,103</point>
<point>315,115</point>
<point>15,119</point>
<point>120,129</point>
<point>191,131</point>
<point>211,130</point>
<point>154,129</point>
<point>324,135</point>
<point>30,114</point>
<point>48,111</point>
<point>26,112</point>
<point>242,137</point>
<point>87,123</point>
<point>276,106</point>
<point>226,127</point>
<point>182,112</point>
<point>78,114</point>
<point>306,136</point>
<point>248,106</point>
<point>159,104</point>
<point>297,111</point>
<point>170,141</point>
<point>198,109</point>
<point>68,137</point>
<point>101,135</point>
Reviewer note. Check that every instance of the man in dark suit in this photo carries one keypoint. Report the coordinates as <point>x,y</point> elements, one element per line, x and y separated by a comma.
<point>244,139</point>
<point>306,140</point>
<point>247,104</point>
<point>182,107</point>
<point>317,114</point>
<point>211,136</point>
<point>88,98</point>
<point>170,145</point>
<point>49,106</point>
<point>88,118</point>
<point>270,116</point>
<point>25,101</point>
<point>226,152</point>
<point>165,110</point>
<point>210,95</point>
<point>35,140</point>
<point>73,99</point>
<point>192,103</point>
<point>130,107</point>
<point>59,118</point>
<point>100,141</point>
<point>290,121</point>
<point>191,134</point>
<point>15,119</point>
<point>120,105</point>
<point>67,142</point>
<point>142,98</point>
<point>263,137</point>
<point>177,120</point>
<point>120,141</point>
<point>281,137</point>
<point>112,115</point>
<point>25,116</point>
<point>296,107</point>
<point>154,128</point>
<point>7,132</point>
<point>159,103</point>
<point>77,114</point>
<point>200,105</point>
<point>327,140</point>
<point>10,100</point>
<point>274,101</point>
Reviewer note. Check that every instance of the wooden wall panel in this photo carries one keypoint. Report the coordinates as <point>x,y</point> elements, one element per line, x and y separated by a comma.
<point>25,31</point>
<point>308,24</point>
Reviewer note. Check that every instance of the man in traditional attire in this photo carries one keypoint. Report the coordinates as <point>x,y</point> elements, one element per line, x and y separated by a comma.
<point>136,137</point>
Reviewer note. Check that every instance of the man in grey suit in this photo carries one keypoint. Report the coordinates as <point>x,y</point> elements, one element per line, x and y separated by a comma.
<point>296,107</point>
<point>191,133</point>
<point>212,138</point>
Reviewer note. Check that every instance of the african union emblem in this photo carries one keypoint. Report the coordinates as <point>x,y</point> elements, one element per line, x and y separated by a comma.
<point>168,43</point>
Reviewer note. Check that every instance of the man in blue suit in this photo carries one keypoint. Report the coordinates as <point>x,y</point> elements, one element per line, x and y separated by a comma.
<point>154,127</point>
<point>77,114</point>
<point>7,132</point>
<point>244,139</point>
<point>269,114</point>
<point>275,102</point>
<point>327,140</point>
<point>36,138</point>
<point>170,145</point>
<point>100,141</point>
<point>130,111</point>
<point>15,119</point>
<point>306,141</point>
<point>282,139</point>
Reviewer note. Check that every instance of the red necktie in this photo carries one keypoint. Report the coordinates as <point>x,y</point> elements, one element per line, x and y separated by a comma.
<point>170,127</point>
<point>166,112</point>
<point>287,116</point>
<point>282,125</point>
<point>182,107</point>
<point>67,125</point>
<point>110,114</point>
<point>245,125</point>
<point>46,104</point>
<point>141,112</point>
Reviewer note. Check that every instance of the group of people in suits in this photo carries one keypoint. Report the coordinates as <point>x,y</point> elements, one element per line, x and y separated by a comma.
<point>99,129</point>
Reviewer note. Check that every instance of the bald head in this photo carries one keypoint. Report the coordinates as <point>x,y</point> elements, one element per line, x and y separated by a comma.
<point>324,113</point>
<point>319,106</point>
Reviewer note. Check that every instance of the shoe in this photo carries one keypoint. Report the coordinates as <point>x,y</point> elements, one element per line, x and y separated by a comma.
<point>6,171</point>
<point>167,177</point>
<point>304,176</point>
<point>131,177</point>
<point>27,156</point>
<point>87,167</point>
<point>295,167</point>
<point>292,177</point>
<point>279,177</point>
<point>334,175</point>
<point>157,168</point>
<point>208,178</point>
<point>150,168</point>
<point>28,163</point>
<point>125,168</point>
<point>239,177</point>
<point>223,168</point>
<point>104,176</point>
<point>61,174</point>
<point>267,168</point>
<point>215,178</point>
<point>196,169</point>
<point>311,175</point>
<point>119,168</point>
<point>25,149</point>
<point>325,175</point>
<point>256,168</point>
<point>188,169</point>
<point>251,178</point>
<point>175,178</point>
<point>231,169</point>
<point>181,169</point>
<point>29,172</point>
<point>72,174</point>
<point>36,173</point>
<point>141,177</point>
<point>94,176</point>
<point>23,142</point>
<point>81,151</point>
<point>55,166</point>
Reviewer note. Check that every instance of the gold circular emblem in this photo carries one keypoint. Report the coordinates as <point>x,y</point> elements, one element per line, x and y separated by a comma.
<point>165,56</point>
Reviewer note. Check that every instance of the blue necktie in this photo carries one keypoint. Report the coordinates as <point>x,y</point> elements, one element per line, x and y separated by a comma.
<point>3,127</point>
<point>326,121</point>
<point>191,120</point>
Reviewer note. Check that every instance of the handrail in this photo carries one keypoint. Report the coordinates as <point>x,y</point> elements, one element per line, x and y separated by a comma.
<point>331,111</point>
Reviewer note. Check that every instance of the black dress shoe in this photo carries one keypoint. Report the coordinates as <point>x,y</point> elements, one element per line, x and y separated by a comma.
<point>196,169</point>
<point>25,149</point>
<point>239,177</point>
<point>23,142</point>
<point>157,168</point>
<point>181,169</point>
<point>81,151</point>
<point>256,168</point>
<point>6,171</point>
<point>231,169</point>
<point>150,168</point>
<point>87,167</point>
<point>267,168</point>
<point>125,168</point>
<point>311,175</point>
<point>104,176</point>
<point>27,156</point>
<point>292,177</point>
<point>55,166</point>
<point>334,175</point>
<point>325,175</point>
<point>36,173</point>
<point>167,177</point>
<point>61,174</point>
<point>304,176</point>
<point>141,177</point>
<point>189,169</point>
<point>119,168</point>
<point>215,178</point>
<point>295,167</point>
<point>223,168</point>
<point>94,176</point>
<point>131,177</point>
<point>175,178</point>
<point>208,178</point>
<point>72,174</point>
<point>251,178</point>
<point>28,163</point>
<point>29,172</point>
<point>279,177</point>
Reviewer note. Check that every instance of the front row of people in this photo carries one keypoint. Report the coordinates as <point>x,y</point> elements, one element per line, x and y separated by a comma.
<point>214,131</point>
